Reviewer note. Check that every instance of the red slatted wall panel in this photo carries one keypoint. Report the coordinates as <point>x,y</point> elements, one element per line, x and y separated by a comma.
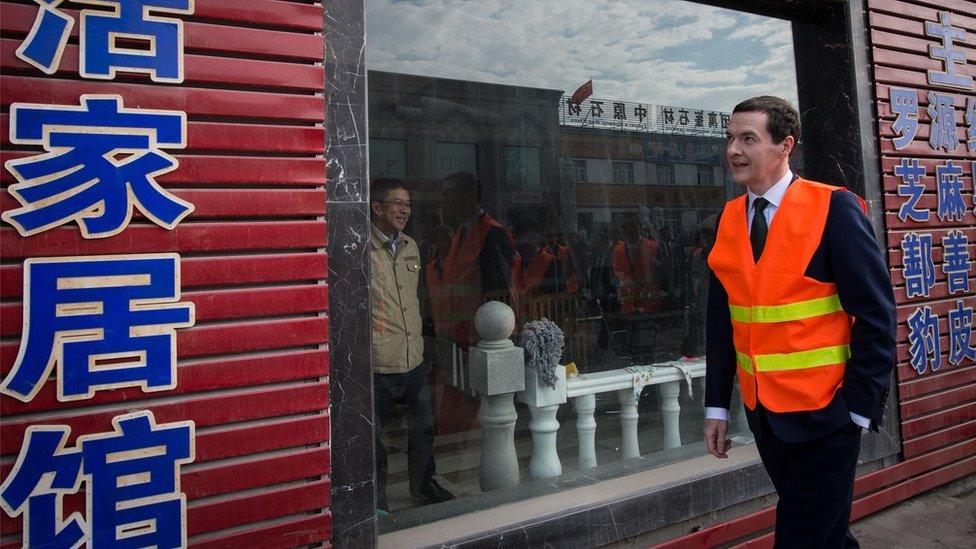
<point>253,371</point>
<point>937,408</point>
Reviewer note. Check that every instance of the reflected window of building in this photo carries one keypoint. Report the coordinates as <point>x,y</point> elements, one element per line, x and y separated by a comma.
<point>579,171</point>
<point>456,157</point>
<point>623,173</point>
<point>706,176</point>
<point>665,174</point>
<point>387,157</point>
<point>522,167</point>
<point>590,205</point>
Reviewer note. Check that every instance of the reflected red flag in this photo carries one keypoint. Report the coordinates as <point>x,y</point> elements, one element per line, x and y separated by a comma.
<point>583,92</point>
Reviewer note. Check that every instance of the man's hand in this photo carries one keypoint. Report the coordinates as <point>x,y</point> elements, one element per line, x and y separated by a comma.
<point>715,430</point>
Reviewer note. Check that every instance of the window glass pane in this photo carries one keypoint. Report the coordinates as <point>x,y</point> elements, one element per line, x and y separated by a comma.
<point>456,157</point>
<point>522,167</point>
<point>575,174</point>
<point>387,158</point>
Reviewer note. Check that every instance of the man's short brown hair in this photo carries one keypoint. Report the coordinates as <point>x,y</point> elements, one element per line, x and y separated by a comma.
<point>380,188</point>
<point>783,119</point>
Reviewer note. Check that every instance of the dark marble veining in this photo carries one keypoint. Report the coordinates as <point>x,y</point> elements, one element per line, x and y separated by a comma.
<point>353,491</point>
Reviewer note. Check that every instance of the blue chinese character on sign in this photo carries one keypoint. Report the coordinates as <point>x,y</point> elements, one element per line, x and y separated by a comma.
<point>971,123</point>
<point>924,347</point>
<point>132,483</point>
<point>133,478</point>
<point>101,53</point>
<point>949,187</point>
<point>23,492</point>
<point>955,264</point>
<point>904,103</point>
<point>947,53</point>
<point>919,271</point>
<point>911,173</point>
<point>102,161</point>
<point>127,38</point>
<point>942,111</point>
<point>106,322</point>
<point>47,38</point>
<point>960,334</point>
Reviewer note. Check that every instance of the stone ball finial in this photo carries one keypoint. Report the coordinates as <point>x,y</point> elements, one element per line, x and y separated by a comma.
<point>494,321</point>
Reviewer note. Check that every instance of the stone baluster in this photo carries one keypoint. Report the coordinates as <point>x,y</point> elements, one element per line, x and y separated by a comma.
<point>496,374</point>
<point>543,402</point>
<point>670,410</point>
<point>586,430</point>
<point>629,447</point>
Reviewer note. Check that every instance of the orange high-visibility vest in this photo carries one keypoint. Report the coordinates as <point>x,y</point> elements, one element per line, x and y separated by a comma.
<point>564,256</point>
<point>462,274</point>
<point>440,299</point>
<point>638,288</point>
<point>530,278</point>
<point>791,335</point>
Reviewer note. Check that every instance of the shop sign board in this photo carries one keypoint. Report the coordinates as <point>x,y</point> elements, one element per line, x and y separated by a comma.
<point>955,144</point>
<point>100,322</point>
<point>641,117</point>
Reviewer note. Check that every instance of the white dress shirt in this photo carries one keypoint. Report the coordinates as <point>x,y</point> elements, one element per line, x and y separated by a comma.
<point>775,196</point>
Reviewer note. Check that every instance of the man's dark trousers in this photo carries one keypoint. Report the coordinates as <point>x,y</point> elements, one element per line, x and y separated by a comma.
<point>413,390</point>
<point>815,483</point>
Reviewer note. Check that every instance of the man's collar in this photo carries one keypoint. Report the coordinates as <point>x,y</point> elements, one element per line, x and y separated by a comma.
<point>379,239</point>
<point>775,193</point>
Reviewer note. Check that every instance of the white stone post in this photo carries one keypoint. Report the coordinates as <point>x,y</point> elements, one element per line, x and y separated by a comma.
<point>497,372</point>
<point>629,447</point>
<point>543,402</point>
<point>670,410</point>
<point>586,429</point>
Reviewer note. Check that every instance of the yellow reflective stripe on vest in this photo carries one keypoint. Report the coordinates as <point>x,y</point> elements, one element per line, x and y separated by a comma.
<point>744,362</point>
<point>814,358</point>
<point>825,356</point>
<point>785,313</point>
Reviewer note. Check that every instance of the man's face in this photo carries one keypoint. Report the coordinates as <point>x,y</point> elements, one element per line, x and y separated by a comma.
<point>529,243</point>
<point>755,161</point>
<point>390,214</point>
<point>460,203</point>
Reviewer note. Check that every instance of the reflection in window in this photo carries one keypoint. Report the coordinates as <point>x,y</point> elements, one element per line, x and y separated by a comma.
<point>596,213</point>
<point>665,174</point>
<point>522,167</point>
<point>579,171</point>
<point>387,158</point>
<point>623,173</point>
<point>706,176</point>
<point>456,157</point>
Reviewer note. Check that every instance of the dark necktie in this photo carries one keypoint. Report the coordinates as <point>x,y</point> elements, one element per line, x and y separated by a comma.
<point>759,228</point>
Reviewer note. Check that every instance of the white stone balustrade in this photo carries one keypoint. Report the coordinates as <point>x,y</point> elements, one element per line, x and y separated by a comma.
<point>583,388</point>
<point>495,370</point>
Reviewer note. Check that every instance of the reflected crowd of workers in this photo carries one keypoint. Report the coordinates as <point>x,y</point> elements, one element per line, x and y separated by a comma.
<point>631,279</point>
<point>631,271</point>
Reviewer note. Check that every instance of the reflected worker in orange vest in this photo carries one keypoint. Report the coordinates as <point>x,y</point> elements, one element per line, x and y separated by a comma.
<point>479,262</point>
<point>478,267</point>
<point>437,288</point>
<point>566,266</point>
<point>537,270</point>
<point>634,266</point>
<point>801,309</point>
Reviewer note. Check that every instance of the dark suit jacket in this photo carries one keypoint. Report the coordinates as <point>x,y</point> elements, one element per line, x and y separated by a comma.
<point>849,257</point>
